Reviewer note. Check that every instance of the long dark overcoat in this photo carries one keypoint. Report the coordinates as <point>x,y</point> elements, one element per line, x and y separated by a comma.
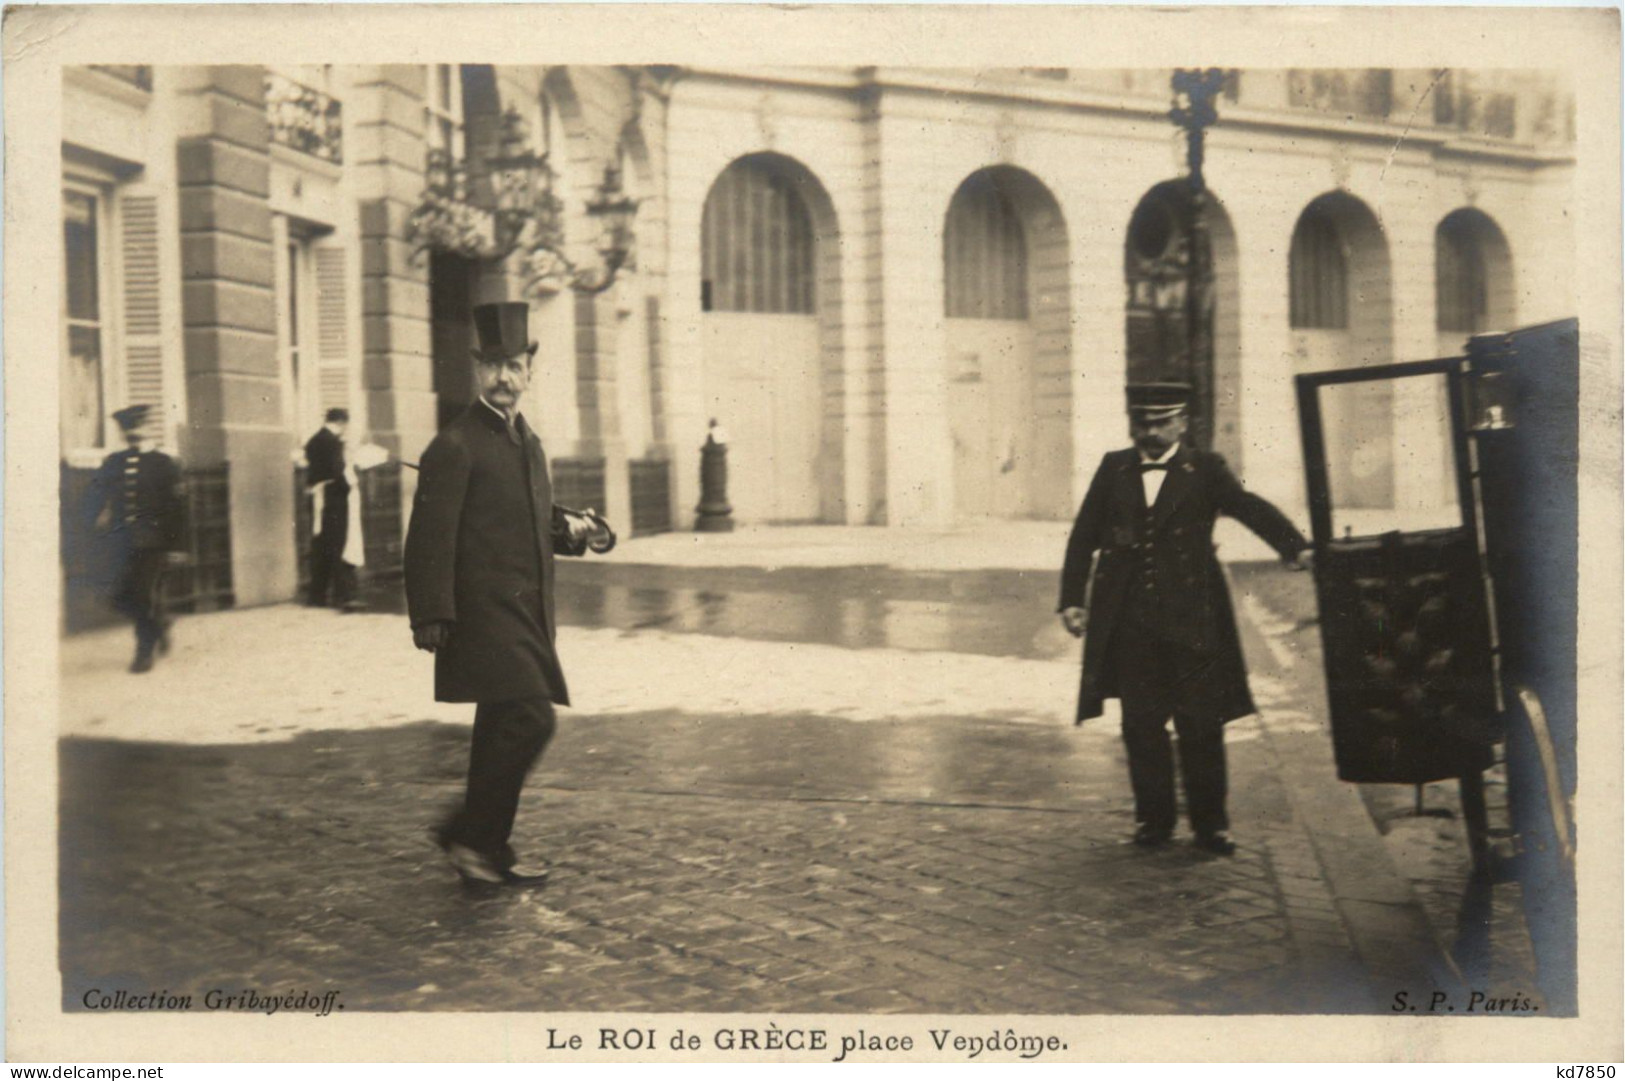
<point>1189,603</point>
<point>324,461</point>
<point>479,553</point>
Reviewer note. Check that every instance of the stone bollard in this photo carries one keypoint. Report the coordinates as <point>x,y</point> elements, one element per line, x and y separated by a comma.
<point>714,515</point>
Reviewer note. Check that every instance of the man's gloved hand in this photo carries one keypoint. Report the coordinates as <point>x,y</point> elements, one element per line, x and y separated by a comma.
<point>431,636</point>
<point>580,526</point>
<point>1075,620</point>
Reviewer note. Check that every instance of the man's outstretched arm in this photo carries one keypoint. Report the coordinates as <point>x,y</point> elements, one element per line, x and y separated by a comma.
<point>1259,515</point>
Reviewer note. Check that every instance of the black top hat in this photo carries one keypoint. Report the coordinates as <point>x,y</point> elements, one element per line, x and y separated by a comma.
<point>132,417</point>
<point>503,329</point>
<point>338,415</point>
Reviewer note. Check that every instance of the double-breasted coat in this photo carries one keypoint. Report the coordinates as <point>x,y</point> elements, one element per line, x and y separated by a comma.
<point>479,554</point>
<point>143,494</point>
<point>1164,556</point>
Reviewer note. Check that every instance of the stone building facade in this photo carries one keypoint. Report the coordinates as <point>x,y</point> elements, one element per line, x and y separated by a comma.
<point>911,297</point>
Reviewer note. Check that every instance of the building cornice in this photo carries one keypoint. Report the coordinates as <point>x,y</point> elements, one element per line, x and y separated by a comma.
<point>108,86</point>
<point>1067,97</point>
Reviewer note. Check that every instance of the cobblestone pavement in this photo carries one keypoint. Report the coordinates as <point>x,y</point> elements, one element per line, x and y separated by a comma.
<point>934,858</point>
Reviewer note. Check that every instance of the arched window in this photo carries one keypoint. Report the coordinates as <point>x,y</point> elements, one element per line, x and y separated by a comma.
<point>1459,274</point>
<point>1319,273</point>
<point>756,243</point>
<point>984,254</point>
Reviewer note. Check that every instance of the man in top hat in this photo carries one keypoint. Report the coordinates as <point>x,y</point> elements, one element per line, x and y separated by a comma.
<point>479,591</point>
<point>1161,635</point>
<point>329,484</point>
<point>140,490</point>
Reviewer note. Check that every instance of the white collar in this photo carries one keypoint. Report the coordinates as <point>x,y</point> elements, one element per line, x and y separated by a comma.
<point>509,421</point>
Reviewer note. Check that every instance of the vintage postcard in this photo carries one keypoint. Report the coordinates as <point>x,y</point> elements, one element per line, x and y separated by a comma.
<point>864,534</point>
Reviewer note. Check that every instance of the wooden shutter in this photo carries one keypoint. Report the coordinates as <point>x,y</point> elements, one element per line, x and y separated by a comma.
<point>142,329</point>
<point>332,329</point>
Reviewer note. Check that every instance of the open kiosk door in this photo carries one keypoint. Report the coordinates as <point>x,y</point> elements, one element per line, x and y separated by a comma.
<point>1406,603</point>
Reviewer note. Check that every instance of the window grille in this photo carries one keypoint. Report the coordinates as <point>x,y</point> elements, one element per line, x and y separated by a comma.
<point>757,243</point>
<point>1459,275</point>
<point>984,254</point>
<point>1319,273</point>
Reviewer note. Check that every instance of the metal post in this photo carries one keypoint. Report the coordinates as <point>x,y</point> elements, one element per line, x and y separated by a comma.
<point>714,515</point>
<point>1194,110</point>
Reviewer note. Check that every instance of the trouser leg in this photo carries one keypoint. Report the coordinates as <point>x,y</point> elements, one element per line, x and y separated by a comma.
<point>508,739</point>
<point>1150,768</point>
<point>137,597</point>
<point>321,567</point>
<point>344,582</point>
<point>1201,765</point>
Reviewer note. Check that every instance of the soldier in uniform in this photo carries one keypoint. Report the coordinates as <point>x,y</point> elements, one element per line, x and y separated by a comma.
<point>479,590</point>
<point>326,478</point>
<point>140,491</point>
<point>1161,635</point>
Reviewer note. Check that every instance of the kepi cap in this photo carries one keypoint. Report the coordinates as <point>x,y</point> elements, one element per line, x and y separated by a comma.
<point>1158,401</point>
<point>338,415</point>
<point>132,417</point>
<point>503,329</point>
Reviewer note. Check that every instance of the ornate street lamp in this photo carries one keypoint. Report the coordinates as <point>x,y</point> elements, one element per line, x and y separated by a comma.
<point>614,210</point>
<point>1194,110</point>
<point>521,187</point>
<point>525,217</point>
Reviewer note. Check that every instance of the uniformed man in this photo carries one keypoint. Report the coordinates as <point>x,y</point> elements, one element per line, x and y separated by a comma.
<point>1161,635</point>
<point>137,493</point>
<point>327,479</point>
<point>479,590</point>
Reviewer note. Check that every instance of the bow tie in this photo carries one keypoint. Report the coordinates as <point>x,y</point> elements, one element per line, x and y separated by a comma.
<point>1150,467</point>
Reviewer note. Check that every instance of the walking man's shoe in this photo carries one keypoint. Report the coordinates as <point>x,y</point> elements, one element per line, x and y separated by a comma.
<point>1218,842</point>
<point>1149,836</point>
<point>527,873</point>
<point>142,662</point>
<point>472,866</point>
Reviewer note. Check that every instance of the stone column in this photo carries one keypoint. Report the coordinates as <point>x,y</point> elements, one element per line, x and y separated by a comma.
<point>1272,454</point>
<point>386,143</point>
<point>228,310</point>
<point>597,322</point>
<point>918,451</point>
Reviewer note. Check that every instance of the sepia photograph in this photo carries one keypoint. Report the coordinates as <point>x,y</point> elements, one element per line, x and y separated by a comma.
<point>914,544</point>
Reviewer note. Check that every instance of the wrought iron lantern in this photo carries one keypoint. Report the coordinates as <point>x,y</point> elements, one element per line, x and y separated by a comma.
<point>521,188</point>
<point>525,217</point>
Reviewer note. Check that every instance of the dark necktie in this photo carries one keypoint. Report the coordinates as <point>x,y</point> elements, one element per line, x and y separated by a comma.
<point>1153,467</point>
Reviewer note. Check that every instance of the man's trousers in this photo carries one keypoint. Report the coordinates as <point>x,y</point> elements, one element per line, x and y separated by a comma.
<point>509,737</point>
<point>330,576</point>
<point>139,594</point>
<point>1159,680</point>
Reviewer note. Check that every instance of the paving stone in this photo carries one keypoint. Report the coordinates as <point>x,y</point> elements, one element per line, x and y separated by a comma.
<point>699,874</point>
